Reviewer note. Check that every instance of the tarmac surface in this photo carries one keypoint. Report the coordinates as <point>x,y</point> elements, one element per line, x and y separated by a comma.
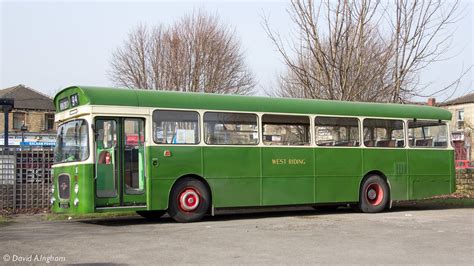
<point>404,235</point>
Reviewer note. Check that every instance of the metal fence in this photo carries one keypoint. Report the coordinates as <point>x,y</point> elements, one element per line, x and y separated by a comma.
<point>25,177</point>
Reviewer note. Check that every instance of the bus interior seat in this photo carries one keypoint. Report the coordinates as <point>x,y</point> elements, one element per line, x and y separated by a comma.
<point>369,143</point>
<point>325,143</point>
<point>342,143</point>
<point>400,143</point>
<point>382,143</point>
<point>424,143</point>
<point>440,143</point>
<point>386,143</point>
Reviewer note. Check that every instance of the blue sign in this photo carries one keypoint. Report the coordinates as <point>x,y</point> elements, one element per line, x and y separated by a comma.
<point>37,143</point>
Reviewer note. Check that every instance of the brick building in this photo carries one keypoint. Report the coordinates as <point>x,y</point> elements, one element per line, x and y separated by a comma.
<point>32,118</point>
<point>462,124</point>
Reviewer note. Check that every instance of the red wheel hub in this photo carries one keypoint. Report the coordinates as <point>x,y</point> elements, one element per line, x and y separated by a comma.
<point>188,200</point>
<point>374,194</point>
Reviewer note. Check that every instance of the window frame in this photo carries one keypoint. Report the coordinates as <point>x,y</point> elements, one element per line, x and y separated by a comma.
<point>259,130</point>
<point>24,114</point>
<point>131,190</point>
<point>359,125</point>
<point>199,125</point>
<point>46,120</point>
<point>448,137</point>
<point>460,122</point>
<point>88,141</point>
<point>310,130</point>
<point>405,132</point>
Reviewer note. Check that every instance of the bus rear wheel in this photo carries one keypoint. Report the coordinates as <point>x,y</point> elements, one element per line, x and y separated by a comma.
<point>151,214</point>
<point>189,200</point>
<point>374,195</point>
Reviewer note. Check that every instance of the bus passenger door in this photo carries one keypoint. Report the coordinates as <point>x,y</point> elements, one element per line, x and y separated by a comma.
<point>119,163</point>
<point>106,162</point>
<point>133,182</point>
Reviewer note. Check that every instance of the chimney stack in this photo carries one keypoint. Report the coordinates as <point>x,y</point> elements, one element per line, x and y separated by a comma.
<point>431,101</point>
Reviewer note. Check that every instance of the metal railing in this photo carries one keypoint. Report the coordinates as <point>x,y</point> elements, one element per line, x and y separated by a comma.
<point>25,177</point>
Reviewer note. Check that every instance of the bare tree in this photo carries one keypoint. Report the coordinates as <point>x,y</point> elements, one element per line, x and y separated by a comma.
<point>421,37</point>
<point>197,54</point>
<point>369,50</point>
<point>129,63</point>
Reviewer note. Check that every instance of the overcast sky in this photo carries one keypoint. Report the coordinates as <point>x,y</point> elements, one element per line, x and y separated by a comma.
<point>51,45</point>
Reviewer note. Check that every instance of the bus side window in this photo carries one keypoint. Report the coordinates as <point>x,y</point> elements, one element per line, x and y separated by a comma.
<point>337,131</point>
<point>175,127</point>
<point>285,130</point>
<point>385,133</point>
<point>230,128</point>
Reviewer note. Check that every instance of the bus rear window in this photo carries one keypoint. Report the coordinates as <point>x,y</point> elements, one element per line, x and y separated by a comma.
<point>428,134</point>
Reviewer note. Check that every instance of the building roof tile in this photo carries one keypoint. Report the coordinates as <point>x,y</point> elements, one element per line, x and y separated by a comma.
<point>468,98</point>
<point>28,98</point>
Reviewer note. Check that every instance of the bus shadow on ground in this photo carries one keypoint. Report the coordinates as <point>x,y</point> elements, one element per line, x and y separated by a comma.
<point>264,213</point>
<point>222,215</point>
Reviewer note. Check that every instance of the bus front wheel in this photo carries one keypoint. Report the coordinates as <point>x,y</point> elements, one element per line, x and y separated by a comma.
<point>189,200</point>
<point>374,195</point>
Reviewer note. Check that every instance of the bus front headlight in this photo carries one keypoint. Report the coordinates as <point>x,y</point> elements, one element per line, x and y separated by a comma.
<point>76,188</point>
<point>52,189</point>
<point>76,202</point>
<point>52,200</point>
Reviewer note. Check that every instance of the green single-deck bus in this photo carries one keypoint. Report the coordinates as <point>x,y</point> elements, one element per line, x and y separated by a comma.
<point>188,153</point>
